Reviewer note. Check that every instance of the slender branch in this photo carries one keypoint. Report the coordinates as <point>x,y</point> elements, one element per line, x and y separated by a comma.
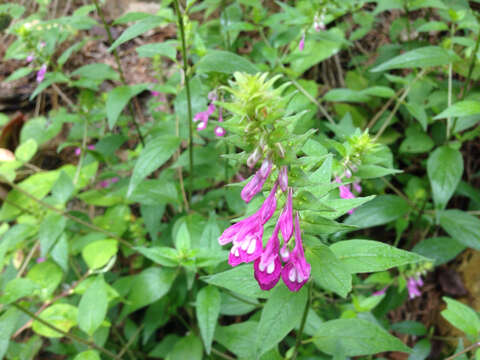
<point>187,89</point>
<point>66,334</point>
<point>467,349</point>
<point>383,109</point>
<point>473,62</point>
<point>130,341</point>
<point>71,217</point>
<point>119,67</point>
<point>303,321</point>
<point>222,355</point>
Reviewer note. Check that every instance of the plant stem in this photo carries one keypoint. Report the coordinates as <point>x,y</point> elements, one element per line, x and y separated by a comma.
<point>119,67</point>
<point>222,355</point>
<point>467,349</point>
<point>130,341</point>
<point>303,321</point>
<point>187,89</point>
<point>470,71</point>
<point>449,99</point>
<point>66,334</point>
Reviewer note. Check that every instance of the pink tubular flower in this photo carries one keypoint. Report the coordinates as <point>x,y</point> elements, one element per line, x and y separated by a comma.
<point>114,180</point>
<point>41,260</point>
<point>255,185</point>
<point>380,292</point>
<point>41,73</point>
<point>413,285</point>
<point>247,245</point>
<point>297,271</point>
<point>91,147</point>
<point>285,220</point>
<point>202,118</point>
<point>155,93</point>
<point>269,205</point>
<point>78,151</point>
<point>283,178</point>
<point>301,44</point>
<point>30,58</point>
<point>219,131</point>
<point>357,187</point>
<point>268,268</point>
<point>254,157</point>
<point>104,183</point>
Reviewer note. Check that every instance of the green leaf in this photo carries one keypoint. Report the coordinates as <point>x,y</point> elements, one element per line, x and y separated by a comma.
<point>207,309</point>
<point>167,49</point>
<point>137,29</point>
<point>183,239</point>
<point>26,150</point>
<point>239,338</point>
<point>416,142</point>
<point>439,249</point>
<point>315,52</point>
<point>225,62</point>
<point>62,316</point>
<point>118,98</point>
<point>162,255</point>
<point>188,347</point>
<point>17,289</point>
<point>8,324</point>
<point>379,211</point>
<point>444,169</point>
<point>156,153</point>
<point>147,287</point>
<point>461,226</point>
<point>50,229</point>
<point>93,306</point>
<point>99,253</point>
<point>427,56</point>
<point>462,317</point>
<point>360,256</point>
<point>281,313</point>
<point>356,337</point>
<point>239,279</point>
<point>19,73</point>
<point>369,171</point>
<point>47,275</point>
<point>97,71</point>
<point>328,271</point>
<point>459,109</point>
<point>346,95</point>
<point>88,355</point>
<point>410,327</point>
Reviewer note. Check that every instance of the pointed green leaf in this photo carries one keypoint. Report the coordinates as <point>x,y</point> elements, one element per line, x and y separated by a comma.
<point>208,308</point>
<point>93,306</point>
<point>118,98</point>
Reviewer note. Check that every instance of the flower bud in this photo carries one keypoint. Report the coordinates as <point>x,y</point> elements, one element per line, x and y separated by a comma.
<point>254,157</point>
<point>283,178</point>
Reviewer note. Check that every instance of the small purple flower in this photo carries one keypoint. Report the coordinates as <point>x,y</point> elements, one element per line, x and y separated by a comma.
<point>104,183</point>
<point>211,109</point>
<point>155,93</point>
<point>219,131</point>
<point>269,205</point>
<point>268,268</point>
<point>114,180</point>
<point>41,260</point>
<point>254,157</point>
<point>285,219</point>
<point>297,270</point>
<point>30,58</point>
<point>301,44</point>
<point>78,151</point>
<point>202,118</point>
<point>247,245</point>
<point>319,23</point>
<point>413,285</point>
<point>41,73</point>
<point>255,185</point>
<point>380,292</point>
<point>91,147</point>
<point>42,44</point>
<point>283,178</point>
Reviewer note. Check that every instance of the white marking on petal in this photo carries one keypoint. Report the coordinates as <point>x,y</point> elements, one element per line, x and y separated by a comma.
<point>292,275</point>
<point>261,266</point>
<point>234,251</point>
<point>271,267</point>
<point>299,277</point>
<point>252,247</point>
<point>245,244</point>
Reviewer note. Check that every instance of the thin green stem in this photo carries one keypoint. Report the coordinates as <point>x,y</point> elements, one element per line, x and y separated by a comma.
<point>449,99</point>
<point>130,341</point>
<point>119,67</point>
<point>473,62</point>
<point>467,349</point>
<point>303,321</point>
<point>187,89</point>
<point>66,334</point>
<point>222,355</point>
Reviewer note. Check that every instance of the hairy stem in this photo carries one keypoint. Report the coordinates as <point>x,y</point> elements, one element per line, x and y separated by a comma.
<point>187,89</point>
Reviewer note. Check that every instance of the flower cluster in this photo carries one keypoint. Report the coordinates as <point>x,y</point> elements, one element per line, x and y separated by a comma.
<point>246,235</point>
<point>414,283</point>
<point>203,116</point>
<point>346,191</point>
<point>41,73</point>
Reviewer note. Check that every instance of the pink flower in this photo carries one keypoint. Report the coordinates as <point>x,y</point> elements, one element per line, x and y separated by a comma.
<point>104,183</point>
<point>268,268</point>
<point>380,292</point>
<point>219,131</point>
<point>155,93</point>
<point>297,271</point>
<point>413,284</point>
<point>42,44</point>
<point>78,151</point>
<point>41,260</point>
<point>301,44</point>
<point>283,178</point>
<point>41,73</point>
<point>30,58</point>
<point>114,180</point>
<point>255,185</point>
<point>269,205</point>
<point>91,147</point>
<point>357,187</point>
<point>319,23</point>
<point>247,245</point>
<point>285,219</point>
<point>254,157</point>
